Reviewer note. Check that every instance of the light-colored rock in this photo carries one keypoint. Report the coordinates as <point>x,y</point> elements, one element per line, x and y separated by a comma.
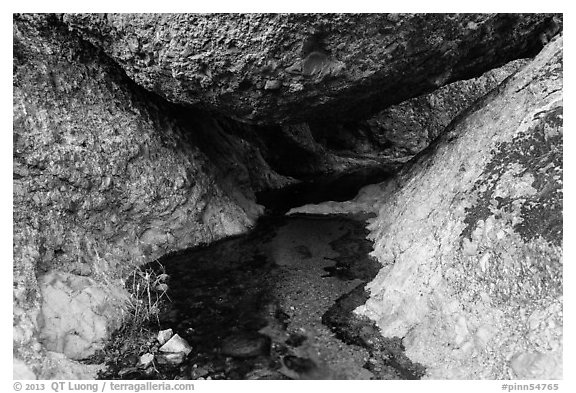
<point>146,360</point>
<point>164,335</point>
<point>108,176</point>
<point>537,365</point>
<point>348,64</point>
<point>20,370</point>
<point>409,127</point>
<point>173,358</point>
<point>78,314</point>
<point>398,133</point>
<point>176,345</point>
<point>470,237</point>
<point>58,366</point>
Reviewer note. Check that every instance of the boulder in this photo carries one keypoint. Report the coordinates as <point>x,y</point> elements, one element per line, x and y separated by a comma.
<point>78,315</point>
<point>470,237</point>
<point>278,68</point>
<point>104,179</point>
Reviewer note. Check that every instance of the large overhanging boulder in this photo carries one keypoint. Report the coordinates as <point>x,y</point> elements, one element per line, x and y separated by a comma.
<point>275,68</point>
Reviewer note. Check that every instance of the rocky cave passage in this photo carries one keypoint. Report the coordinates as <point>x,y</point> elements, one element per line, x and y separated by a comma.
<point>287,196</point>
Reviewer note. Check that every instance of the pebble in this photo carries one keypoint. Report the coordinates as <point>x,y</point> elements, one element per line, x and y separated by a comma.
<point>272,84</point>
<point>164,336</point>
<point>146,360</point>
<point>176,345</point>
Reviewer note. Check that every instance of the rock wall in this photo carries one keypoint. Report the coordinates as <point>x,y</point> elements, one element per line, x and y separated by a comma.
<point>395,135</point>
<point>470,238</point>
<point>405,129</point>
<point>276,68</point>
<point>109,175</point>
<point>105,179</point>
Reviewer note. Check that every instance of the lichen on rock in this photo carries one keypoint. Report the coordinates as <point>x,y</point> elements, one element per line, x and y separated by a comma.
<point>470,238</point>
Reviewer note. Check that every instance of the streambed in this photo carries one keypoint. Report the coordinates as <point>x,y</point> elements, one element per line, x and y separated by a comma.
<point>274,304</point>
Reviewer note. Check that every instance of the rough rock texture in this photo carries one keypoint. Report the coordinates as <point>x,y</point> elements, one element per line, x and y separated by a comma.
<point>78,315</point>
<point>405,129</point>
<point>273,68</point>
<point>470,238</point>
<point>387,140</point>
<point>104,179</point>
<point>109,175</point>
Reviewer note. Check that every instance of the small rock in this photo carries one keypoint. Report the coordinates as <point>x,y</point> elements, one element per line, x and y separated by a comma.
<point>176,345</point>
<point>273,84</point>
<point>146,360</point>
<point>164,336</point>
<point>198,372</point>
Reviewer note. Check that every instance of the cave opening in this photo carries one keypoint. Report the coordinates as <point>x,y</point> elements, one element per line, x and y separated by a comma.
<point>276,302</point>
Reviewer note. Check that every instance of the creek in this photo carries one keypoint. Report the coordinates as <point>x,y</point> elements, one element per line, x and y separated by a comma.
<point>275,303</point>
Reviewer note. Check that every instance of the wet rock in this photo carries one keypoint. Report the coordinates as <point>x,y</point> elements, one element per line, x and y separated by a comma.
<point>176,345</point>
<point>164,336</point>
<point>245,345</point>
<point>348,65</point>
<point>388,359</point>
<point>469,236</point>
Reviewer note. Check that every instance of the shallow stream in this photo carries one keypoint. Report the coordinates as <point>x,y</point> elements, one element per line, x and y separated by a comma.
<point>275,304</point>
